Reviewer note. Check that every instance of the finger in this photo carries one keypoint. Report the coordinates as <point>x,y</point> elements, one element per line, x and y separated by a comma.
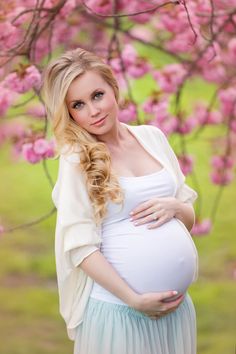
<point>173,304</point>
<point>144,220</point>
<point>161,220</point>
<point>142,214</point>
<point>142,207</point>
<point>167,295</point>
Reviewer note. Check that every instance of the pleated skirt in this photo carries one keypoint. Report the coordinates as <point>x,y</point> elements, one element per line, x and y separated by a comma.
<point>110,328</point>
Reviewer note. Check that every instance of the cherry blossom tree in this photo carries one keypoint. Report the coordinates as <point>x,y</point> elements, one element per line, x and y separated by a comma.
<point>196,36</point>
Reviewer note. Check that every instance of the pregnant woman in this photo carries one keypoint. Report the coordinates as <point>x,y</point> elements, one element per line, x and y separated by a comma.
<point>124,254</point>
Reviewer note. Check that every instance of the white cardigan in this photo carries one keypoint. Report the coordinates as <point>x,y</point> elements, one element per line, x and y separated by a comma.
<point>76,229</point>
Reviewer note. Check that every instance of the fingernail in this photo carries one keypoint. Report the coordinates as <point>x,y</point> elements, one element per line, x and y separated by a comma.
<point>131,213</point>
<point>131,219</point>
<point>175,292</point>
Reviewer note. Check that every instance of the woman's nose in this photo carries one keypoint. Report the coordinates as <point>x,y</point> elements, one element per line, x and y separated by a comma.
<point>94,109</point>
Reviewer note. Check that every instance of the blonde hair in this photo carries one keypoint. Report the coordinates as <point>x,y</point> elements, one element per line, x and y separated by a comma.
<point>95,159</point>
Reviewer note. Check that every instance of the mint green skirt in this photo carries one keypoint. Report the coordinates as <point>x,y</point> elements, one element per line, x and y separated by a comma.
<point>110,328</point>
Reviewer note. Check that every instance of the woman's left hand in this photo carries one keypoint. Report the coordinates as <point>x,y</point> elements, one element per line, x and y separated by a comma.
<point>157,211</point>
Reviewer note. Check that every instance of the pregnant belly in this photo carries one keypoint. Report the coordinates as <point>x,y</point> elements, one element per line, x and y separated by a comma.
<point>151,260</point>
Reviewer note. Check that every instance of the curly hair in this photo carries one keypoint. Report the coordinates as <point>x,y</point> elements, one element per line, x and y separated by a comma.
<point>95,160</point>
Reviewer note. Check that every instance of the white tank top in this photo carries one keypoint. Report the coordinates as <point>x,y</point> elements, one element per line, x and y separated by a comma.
<point>149,260</point>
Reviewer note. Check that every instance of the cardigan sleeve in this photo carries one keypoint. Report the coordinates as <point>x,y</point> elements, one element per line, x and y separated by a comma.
<point>76,237</point>
<point>74,212</point>
<point>75,221</point>
<point>184,192</point>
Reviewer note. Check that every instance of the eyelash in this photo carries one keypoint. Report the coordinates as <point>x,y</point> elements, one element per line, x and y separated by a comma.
<point>99,94</point>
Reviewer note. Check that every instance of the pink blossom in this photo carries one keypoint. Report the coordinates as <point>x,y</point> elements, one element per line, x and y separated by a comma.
<point>222,162</point>
<point>128,114</point>
<point>232,48</point>
<point>222,166</point>
<point>137,6</point>
<point>67,8</point>
<point>129,55</point>
<point>186,126</point>
<point>201,227</point>
<point>214,73</point>
<point>203,116</point>
<point>222,177</point>
<point>38,150</point>
<point>170,77</point>
<point>143,33</point>
<point>186,164</point>
<point>175,22</point>
<point>37,111</point>
<point>11,130</point>
<point>228,100</point>
<point>16,18</point>
<point>100,6</point>
<point>50,150</point>
<point>6,99</point>
<point>167,125</point>
<point>156,106</point>
<point>24,81</point>
<point>9,35</point>
<point>182,43</point>
<point>40,146</point>
<point>29,153</point>
<point>138,70</point>
<point>115,63</point>
<point>63,34</point>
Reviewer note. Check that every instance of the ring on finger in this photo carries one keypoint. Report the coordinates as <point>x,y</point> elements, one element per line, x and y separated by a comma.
<point>155,215</point>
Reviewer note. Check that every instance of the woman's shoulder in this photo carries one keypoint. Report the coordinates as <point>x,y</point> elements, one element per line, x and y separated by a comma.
<point>146,131</point>
<point>69,153</point>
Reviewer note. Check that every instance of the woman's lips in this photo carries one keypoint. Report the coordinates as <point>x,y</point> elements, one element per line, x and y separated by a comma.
<point>100,121</point>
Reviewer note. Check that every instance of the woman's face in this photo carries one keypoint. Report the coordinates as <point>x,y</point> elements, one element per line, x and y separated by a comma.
<point>92,104</point>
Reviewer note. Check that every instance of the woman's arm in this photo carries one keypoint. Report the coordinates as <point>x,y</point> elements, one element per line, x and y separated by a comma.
<point>185,213</point>
<point>99,269</point>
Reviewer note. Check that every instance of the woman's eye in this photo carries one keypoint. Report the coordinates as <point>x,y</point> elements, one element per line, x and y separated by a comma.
<point>77,105</point>
<point>98,94</point>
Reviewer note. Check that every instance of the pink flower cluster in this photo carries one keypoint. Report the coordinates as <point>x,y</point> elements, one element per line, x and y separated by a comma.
<point>105,7</point>
<point>186,126</point>
<point>227,99</point>
<point>6,99</point>
<point>128,113</point>
<point>158,106</point>
<point>222,173</point>
<point>186,164</point>
<point>135,66</point>
<point>38,150</point>
<point>9,35</point>
<point>170,77</point>
<point>168,126</point>
<point>202,227</point>
<point>23,81</point>
<point>202,116</point>
<point>37,111</point>
<point>11,130</point>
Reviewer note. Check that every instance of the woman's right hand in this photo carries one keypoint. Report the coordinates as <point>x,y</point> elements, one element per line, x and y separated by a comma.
<point>156,305</point>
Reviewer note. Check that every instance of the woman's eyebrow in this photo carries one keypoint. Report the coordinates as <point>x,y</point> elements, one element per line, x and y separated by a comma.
<point>79,99</point>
